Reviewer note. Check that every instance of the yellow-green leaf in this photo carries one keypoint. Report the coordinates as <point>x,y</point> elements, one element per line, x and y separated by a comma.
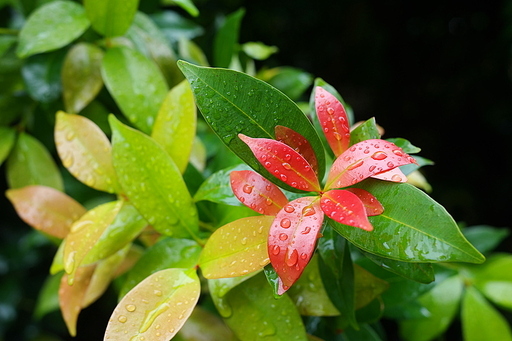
<point>7,138</point>
<point>175,124</point>
<point>237,248</point>
<point>203,325</point>
<point>81,76</point>
<point>111,17</point>
<point>46,209</point>
<point>367,286</point>
<point>85,151</point>
<point>156,308</point>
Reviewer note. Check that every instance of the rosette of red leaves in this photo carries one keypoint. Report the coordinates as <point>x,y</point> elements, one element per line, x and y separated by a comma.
<point>290,158</point>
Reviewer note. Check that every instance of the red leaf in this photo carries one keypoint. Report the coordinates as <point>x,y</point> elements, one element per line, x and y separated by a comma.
<point>394,175</point>
<point>283,162</point>
<point>371,204</point>
<point>256,192</point>
<point>298,143</point>
<point>365,159</point>
<point>333,119</point>
<point>292,238</point>
<point>345,207</point>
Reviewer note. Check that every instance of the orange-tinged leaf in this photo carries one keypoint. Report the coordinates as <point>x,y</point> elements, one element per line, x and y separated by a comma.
<point>237,248</point>
<point>371,204</point>
<point>345,207</point>
<point>156,308</point>
<point>394,175</point>
<point>46,209</point>
<point>71,296</point>
<point>283,162</point>
<point>256,192</point>
<point>365,159</point>
<point>333,119</point>
<point>299,143</point>
<point>85,151</point>
<point>292,238</point>
<point>84,234</point>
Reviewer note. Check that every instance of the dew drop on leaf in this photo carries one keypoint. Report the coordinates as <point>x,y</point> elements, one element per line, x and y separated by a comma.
<point>276,250</point>
<point>379,155</point>
<point>122,318</point>
<point>306,230</point>
<point>396,178</point>
<point>130,307</point>
<point>285,223</point>
<point>283,177</point>
<point>286,166</point>
<point>283,236</point>
<point>292,257</point>
<point>289,208</point>
<point>247,188</point>
<point>308,210</point>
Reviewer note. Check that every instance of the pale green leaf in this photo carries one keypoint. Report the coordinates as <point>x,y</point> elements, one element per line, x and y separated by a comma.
<point>111,17</point>
<point>7,139</point>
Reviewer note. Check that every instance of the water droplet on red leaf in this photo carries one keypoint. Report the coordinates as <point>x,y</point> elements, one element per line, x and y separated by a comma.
<point>283,236</point>
<point>285,223</point>
<point>379,155</point>
<point>283,177</point>
<point>396,178</point>
<point>306,230</point>
<point>289,208</point>
<point>275,250</point>
<point>292,257</point>
<point>286,166</point>
<point>307,211</point>
<point>247,188</point>
<point>355,165</point>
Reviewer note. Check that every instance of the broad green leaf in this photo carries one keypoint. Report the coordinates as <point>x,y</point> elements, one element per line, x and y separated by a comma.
<point>366,131</point>
<point>165,254</point>
<point>6,41</point>
<point>85,233</point>
<point>407,146</point>
<point>126,226</point>
<point>136,84</point>
<point>175,124</point>
<point>204,325</point>
<point>291,81</point>
<point>485,238</point>
<point>413,228</point>
<point>481,321</point>
<point>46,209</point>
<point>72,296</point>
<point>156,308</point>
<point>81,76</point>
<point>52,26</point>
<point>175,26</point>
<point>7,139</point>
<point>365,333</point>
<point>367,287</point>
<point>442,302</point>
<point>258,50</point>
<point>226,40</point>
<point>237,248</point>
<point>85,151</point>
<point>41,78</point>
<point>191,52</point>
<point>48,299</point>
<point>152,182</point>
<point>221,286</point>
<point>187,5</point>
<point>233,103</point>
<point>251,311</point>
<point>111,17</point>
<point>494,279</point>
<point>309,293</point>
<point>30,163</point>
<point>217,187</point>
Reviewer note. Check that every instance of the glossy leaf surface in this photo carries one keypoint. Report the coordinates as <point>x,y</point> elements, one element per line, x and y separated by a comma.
<point>237,248</point>
<point>413,229</point>
<point>217,187</point>
<point>41,82</point>
<point>111,17</point>
<point>234,103</point>
<point>30,163</point>
<point>166,253</point>
<point>85,151</point>
<point>256,192</point>
<point>251,311</point>
<point>364,159</point>
<point>292,238</point>
<point>136,84</point>
<point>367,287</point>
<point>485,238</point>
<point>81,76</point>
<point>283,162</point>
<point>299,143</point>
<point>7,139</point>
<point>52,26</point>
<point>371,204</point>
<point>365,131</point>
<point>227,38</point>
<point>46,209</point>
<point>481,321</point>
<point>394,175</point>
<point>156,308</point>
<point>152,182</point>
<point>345,207</point>
<point>175,124</point>
<point>333,120</point>
<point>494,279</point>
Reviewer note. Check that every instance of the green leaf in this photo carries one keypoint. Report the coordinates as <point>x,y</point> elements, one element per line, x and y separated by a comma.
<point>237,248</point>
<point>251,311</point>
<point>217,187</point>
<point>494,279</point>
<point>442,302</point>
<point>41,76</point>
<point>191,52</point>
<point>221,286</point>
<point>52,26</point>
<point>226,40</point>
<point>7,139</point>
<point>6,41</point>
<point>187,5</point>
<point>81,76</point>
<point>175,125</point>
<point>136,84</point>
<point>258,50</point>
<point>85,151</point>
<point>156,308</point>
<point>175,27</point>
<point>485,238</point>
<point>480,321</point>
<point>367,287</point>
<point>233,103</point>
<point>406,146</point>
<point>165,254</point>
<point>365,131</point>
<point>366,333</point>
<point>48,299</point>
<point>152,182</point>
<point>30,163</point>
<point>291,81</point>
<point>111,17</point>
<point>413,228</point>
<point>205,325</point>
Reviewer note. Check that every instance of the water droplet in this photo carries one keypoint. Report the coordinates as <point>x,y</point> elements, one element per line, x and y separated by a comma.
<point>398,152</point>
<point>68,161</point>
<point>372,168</point>
<point>283,177</point>
<point>244,240</point>
<point>396,178</point>
<point>379,155</point>
<point>285,223</point>
<point>130,307</point>
<point>287,166</point>
<point>268,187</point>
<point>276,250</point>
<point>157,293</point>
<point>247,188</point>
<point>355,165</point>
<point>122,318</point>
<point>326,129</point>
<point>337,136</point>
<point>307,229</point>
<point>289,208</point>
<point>283,236</point>
<point>69,263</point>
<point>70,135</point>
<point>308,211</point>
<point>304,255</point>
<point>287,157</point>
<point>330,111</point>
<point>268,202</point>
<point>390,164</point>
<point>292,257</point>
